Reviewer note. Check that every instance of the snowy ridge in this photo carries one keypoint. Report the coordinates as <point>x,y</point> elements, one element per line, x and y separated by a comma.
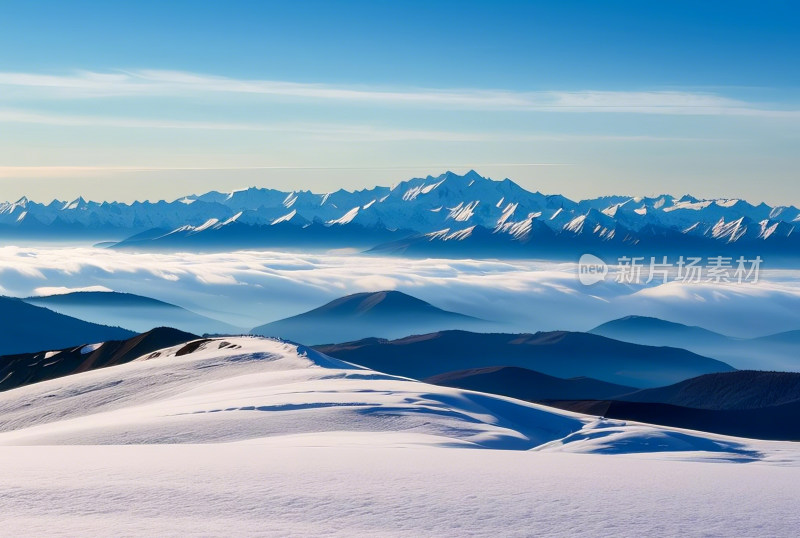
<point>285,218</point>
<point>249,388</point>
<point>245,388</point>
<point>424,206</point>
<point>347,217</point>
<point>508,212</point>
<point>463,212</point>
<point>85,350</point>
<point>413,192</point>
<point>730,231</point>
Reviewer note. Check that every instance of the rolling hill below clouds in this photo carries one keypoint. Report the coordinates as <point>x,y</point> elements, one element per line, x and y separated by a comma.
<point>387,314</point>
<point>775,352</point>
<point>559,353</point>
<point>528,385</point>
<point>133,311</point>
<point>25,328</point>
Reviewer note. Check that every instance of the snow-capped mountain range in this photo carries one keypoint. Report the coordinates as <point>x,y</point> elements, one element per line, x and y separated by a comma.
<point>449,213</point>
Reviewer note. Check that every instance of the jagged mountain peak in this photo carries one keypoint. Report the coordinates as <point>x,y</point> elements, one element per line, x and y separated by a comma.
<point>460,208</point>
<point>77,203</point>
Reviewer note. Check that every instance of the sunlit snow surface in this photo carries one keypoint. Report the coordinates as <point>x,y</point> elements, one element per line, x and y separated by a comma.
<point>282,490</point>
<point>257,436</point>
<point>245,388</point>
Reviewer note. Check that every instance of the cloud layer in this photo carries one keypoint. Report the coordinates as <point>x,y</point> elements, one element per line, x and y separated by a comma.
<point>250,288</point>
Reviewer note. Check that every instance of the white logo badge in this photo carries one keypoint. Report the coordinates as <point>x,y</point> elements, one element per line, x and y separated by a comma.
<point>591,270</point>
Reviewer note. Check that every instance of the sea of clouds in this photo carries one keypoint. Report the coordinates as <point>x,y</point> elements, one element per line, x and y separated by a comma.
<point>249,288</point>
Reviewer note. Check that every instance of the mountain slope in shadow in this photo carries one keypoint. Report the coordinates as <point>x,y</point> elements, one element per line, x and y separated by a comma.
<point>644,329</point>
<point>559,353</point>
<point>777,423</point>
<point>745,389</point>
<point>134,311</point>
<point>788,337</point>
<point>761,405</point>
<point>775,352</point>
<point>387,314</point>
<point>529,385</point>
<point>27,328</point>
<point>24,369</point>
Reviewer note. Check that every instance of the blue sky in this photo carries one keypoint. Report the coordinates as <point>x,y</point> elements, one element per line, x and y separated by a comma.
<point>157,99</point>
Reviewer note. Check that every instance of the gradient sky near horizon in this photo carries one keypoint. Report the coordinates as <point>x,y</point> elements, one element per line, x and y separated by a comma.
<point>152,100</point>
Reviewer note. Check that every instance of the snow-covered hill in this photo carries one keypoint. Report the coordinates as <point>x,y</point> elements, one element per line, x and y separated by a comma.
<point>446,213</point>
<point>261,437</point>
<point>246,388</point>
<point>243,388</point>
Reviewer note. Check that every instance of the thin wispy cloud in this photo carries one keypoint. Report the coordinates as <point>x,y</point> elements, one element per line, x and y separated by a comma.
<point>83,84</point>
<point>319,131</point>
<point>334,132</point>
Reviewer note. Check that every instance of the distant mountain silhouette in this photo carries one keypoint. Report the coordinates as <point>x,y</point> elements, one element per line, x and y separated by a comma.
<point>788,337</point>
<point>386,314</point>
<point>132,311</point>
<point>24,369</point>
<point>561,354</point>
<point>525,384</point>
<point>775,352</point>
<point>25,327</point>
<point>646,330</point>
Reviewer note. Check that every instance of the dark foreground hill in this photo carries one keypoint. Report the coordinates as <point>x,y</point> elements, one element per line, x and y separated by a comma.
<point>27,368</point>
<point>561,354</point>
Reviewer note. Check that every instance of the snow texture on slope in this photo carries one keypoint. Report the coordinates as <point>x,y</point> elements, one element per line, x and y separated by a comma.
<point>237,389</point>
